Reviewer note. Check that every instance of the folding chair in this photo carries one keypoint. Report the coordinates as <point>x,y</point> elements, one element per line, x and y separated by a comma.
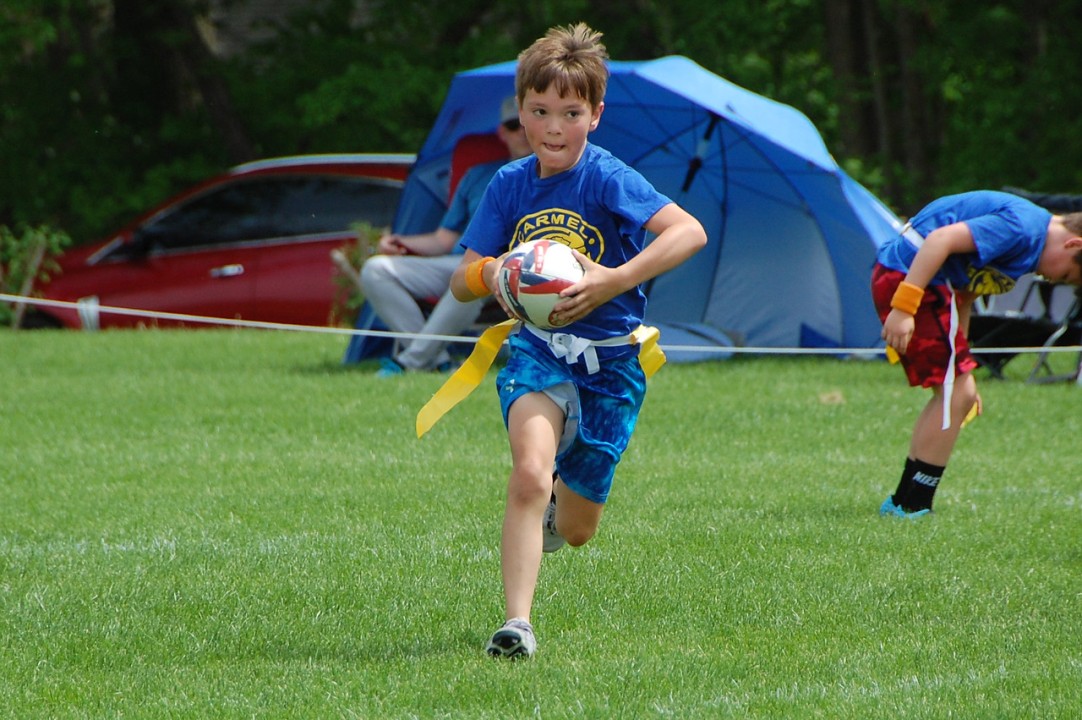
<point>1069,332</point>
<point>1015,328</point>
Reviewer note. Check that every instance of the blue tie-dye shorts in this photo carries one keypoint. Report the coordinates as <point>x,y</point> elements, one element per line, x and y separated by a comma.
<point>600,409</point>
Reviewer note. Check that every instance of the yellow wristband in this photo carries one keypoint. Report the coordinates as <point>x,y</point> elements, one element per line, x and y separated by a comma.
<point>907,298</point>
<point>475,281</point>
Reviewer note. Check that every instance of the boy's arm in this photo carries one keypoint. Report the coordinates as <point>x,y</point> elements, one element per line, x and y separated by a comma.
<point>678,236</point>
<point>482,277</point>
<point>940,244</point>
<point>458,279</point>
<point>465,289</point>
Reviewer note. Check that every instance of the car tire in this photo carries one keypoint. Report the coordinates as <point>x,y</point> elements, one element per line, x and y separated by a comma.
<point>40,321</point>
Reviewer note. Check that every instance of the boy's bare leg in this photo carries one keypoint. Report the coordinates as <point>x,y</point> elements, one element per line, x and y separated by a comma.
<point>534,426</point>
<point>576,517</point>
<point>930,443</point>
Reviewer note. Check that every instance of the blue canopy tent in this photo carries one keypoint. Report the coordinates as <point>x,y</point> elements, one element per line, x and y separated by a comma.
<point>792,237</point>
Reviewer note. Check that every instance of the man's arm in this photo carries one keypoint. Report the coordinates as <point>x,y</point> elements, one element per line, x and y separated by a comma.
<point>440,242</point>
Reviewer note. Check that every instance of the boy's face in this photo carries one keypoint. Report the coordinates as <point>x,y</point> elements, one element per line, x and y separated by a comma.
<point>1062,263</point>
<point>556,128</point>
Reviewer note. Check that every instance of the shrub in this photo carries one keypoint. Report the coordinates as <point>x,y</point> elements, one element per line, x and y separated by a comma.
<point>348,260</point>
<point>25,256</point>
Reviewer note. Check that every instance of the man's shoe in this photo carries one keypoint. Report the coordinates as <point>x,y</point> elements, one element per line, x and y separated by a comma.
<point>888,508</point>
<point>514,640</point>
<point>388,368</point>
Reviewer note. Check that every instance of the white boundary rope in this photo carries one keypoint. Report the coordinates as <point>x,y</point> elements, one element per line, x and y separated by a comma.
<point>258,324</point>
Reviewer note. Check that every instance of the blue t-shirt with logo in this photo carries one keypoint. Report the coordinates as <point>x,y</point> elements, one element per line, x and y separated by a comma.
<point>1008,231</point>
<point>598,207</point>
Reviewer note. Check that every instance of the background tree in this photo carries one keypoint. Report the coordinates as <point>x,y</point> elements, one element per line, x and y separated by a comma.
<point>109,106</point>
<point>945,97</point>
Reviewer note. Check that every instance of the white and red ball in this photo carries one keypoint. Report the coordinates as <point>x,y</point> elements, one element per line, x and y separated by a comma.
<point>532,276</point>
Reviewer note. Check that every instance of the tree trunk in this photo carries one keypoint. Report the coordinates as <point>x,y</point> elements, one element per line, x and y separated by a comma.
<point>843,54</point>
<point>194,58</point>
<point>917,137</point>
<point>165,33</point>
<point>879,83</point>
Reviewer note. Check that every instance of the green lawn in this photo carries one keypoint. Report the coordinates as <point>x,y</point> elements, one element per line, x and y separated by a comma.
<point>211,524</point>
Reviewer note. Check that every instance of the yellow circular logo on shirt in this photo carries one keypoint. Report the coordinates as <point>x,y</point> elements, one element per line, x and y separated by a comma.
<point>562,226</point>
<point>988,281</point>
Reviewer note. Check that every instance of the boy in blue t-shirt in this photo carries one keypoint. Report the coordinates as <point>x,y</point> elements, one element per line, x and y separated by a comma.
<point>572,411</point>
<point>956,249</point>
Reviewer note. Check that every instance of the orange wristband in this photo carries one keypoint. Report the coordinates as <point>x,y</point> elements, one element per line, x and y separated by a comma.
<point>907,298</point>
<point>475,281</point>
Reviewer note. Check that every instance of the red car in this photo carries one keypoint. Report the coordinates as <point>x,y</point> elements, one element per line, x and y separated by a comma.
<point>253,243</point>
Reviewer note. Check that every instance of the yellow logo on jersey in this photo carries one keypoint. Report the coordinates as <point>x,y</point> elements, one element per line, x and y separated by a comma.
<point>561,226</point>
<point>988,281</point>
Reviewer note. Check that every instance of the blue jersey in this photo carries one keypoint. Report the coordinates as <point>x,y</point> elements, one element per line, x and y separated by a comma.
<point>468,194</point>
<point>1008,231</point>
<point>598,207</point>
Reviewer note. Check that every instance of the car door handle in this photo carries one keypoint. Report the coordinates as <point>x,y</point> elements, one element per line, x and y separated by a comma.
<point>227,271</point>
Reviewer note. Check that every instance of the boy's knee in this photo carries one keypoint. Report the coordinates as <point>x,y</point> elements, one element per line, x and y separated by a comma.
<point>529,487</point>
<point>575,537</point>
<point>965,390</point>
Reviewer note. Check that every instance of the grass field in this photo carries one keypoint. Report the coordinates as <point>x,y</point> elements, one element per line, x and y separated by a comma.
<point>230,524</point>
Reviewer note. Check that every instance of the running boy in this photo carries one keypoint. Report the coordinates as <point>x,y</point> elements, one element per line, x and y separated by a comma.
<point>558,413</point>
<point>924,283</point>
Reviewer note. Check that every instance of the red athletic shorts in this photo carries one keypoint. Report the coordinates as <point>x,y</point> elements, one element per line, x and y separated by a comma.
<point>925,360</point>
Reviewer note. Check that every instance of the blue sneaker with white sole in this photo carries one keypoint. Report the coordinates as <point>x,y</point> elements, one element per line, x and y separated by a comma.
<point>888,508</point>
<point>389,368</point>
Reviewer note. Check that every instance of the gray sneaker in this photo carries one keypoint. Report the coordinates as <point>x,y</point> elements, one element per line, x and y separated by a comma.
<point>551,540</point>
<point>514,640</point>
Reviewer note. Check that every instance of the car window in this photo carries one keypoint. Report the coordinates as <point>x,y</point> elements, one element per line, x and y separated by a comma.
<point>328,204</point>
<point>272,207</point>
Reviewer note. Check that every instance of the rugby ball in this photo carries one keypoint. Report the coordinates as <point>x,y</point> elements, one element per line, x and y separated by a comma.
<point>532,276</point>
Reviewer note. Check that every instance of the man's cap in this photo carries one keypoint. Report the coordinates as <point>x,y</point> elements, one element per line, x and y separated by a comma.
<point>508,109</point>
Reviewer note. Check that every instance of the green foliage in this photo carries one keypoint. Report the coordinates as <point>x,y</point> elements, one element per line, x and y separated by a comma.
<point>26,256</point>
<point>93,132</point>
<point>259,534</point>
<point>88,123</point>
<point>348,259</point>
<point>1008,99</point>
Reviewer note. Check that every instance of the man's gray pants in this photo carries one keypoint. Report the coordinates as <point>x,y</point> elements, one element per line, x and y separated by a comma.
<point>394,284</point>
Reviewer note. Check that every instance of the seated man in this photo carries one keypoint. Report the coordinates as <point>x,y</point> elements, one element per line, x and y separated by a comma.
<point>411,268</point>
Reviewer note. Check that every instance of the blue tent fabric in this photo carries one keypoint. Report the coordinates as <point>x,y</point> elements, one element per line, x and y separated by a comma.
<point>792,238</point>
<point>361,347</point>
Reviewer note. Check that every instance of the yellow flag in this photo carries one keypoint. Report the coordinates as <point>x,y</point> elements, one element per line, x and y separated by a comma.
<point>466,379</point>
<point>651,356</point>
<point>971,415</point>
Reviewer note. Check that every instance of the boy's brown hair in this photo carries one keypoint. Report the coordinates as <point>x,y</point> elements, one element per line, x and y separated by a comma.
<point>1073,222</point>
<point>572,58</point>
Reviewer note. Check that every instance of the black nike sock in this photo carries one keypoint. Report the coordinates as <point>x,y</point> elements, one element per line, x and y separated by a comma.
<point>901,495</point>
<point>922,489</point>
